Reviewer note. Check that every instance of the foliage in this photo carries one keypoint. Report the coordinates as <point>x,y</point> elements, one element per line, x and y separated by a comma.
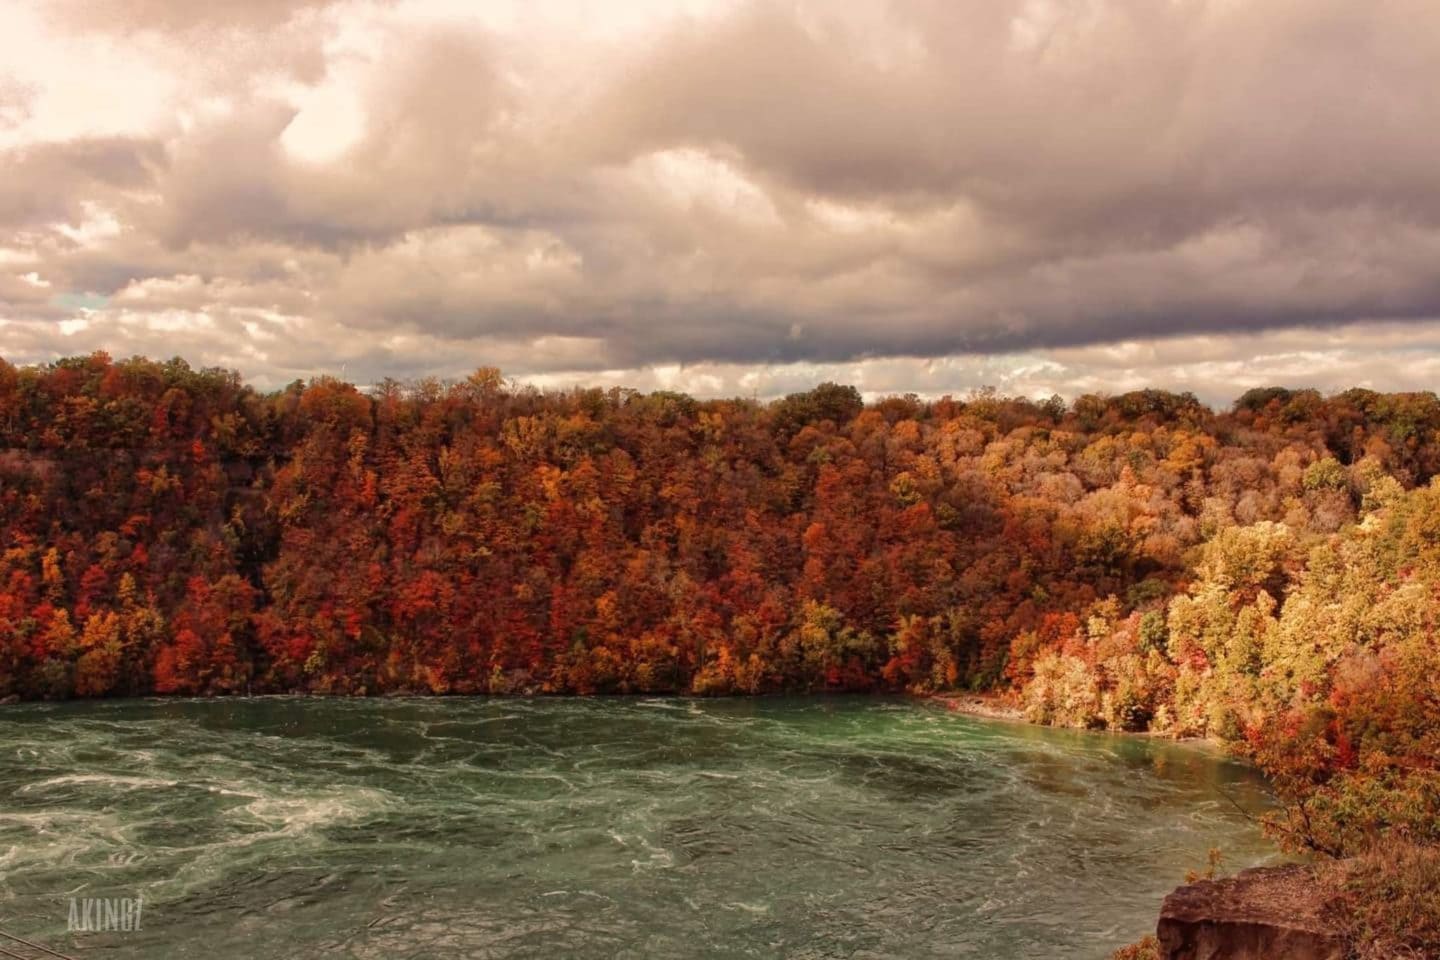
<point>1387,902</point>
<point>1147,948</point>
<point>1129,562</point>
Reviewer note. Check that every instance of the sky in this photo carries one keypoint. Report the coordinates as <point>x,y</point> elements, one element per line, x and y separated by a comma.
<point>730,197</point>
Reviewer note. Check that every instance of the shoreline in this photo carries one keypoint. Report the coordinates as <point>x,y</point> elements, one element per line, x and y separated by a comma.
<point>999,707</point>
<point>986,706</point>
<point>983,706</point>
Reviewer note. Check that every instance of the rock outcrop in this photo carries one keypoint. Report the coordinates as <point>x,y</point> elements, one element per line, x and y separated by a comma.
<point>1267,913</point>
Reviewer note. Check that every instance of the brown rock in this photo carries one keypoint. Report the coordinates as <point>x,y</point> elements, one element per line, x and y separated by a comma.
<point>1267,913</point>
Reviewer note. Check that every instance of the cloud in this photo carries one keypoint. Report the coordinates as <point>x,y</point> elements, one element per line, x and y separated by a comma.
<point>132,16</point>
<point>729,189</point>
<point>49,183</point>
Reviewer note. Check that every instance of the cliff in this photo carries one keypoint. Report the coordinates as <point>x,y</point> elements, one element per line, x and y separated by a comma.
<point>1266,913</point>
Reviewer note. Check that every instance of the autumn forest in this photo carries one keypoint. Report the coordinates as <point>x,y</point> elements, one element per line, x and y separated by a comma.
<point>1267,575</point>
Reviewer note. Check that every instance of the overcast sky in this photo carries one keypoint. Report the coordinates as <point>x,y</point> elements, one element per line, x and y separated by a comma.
<point>730,197</point>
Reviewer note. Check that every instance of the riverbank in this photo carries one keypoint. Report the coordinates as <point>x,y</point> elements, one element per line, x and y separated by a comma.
<point>990,706</point>
<point>994,706</point>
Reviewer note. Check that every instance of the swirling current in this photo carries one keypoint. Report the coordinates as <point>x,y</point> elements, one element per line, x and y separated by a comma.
<point>447,828</point>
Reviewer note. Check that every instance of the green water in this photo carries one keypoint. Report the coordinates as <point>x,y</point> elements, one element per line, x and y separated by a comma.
<point>597,828</point>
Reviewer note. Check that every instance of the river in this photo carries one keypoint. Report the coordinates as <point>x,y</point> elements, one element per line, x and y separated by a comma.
<point>555,828</point>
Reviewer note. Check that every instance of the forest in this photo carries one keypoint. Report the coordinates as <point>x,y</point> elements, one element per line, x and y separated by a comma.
<point>1267,575</point>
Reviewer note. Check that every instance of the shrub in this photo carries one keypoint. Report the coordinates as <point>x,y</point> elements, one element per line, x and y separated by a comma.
<point>1146,949</point>
<point>1386,902</point>
<point>1064,692</point>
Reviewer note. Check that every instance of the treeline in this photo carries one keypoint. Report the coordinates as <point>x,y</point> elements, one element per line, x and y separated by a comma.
<point>172,530</point>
